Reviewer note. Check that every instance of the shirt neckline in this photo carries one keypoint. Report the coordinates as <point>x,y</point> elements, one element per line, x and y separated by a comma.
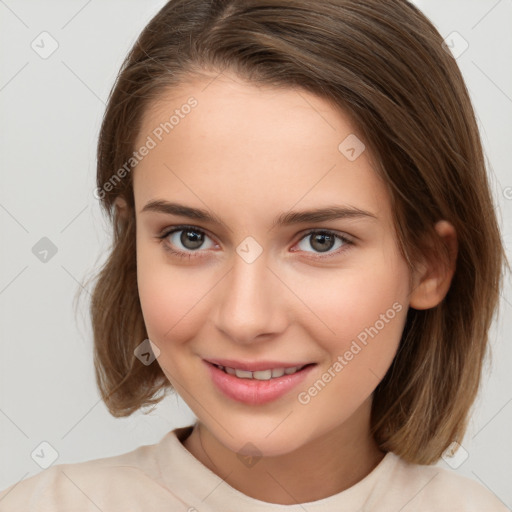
<point>189,478</point>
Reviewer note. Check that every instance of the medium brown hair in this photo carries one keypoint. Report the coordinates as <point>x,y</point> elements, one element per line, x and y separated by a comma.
<point>384,64</point>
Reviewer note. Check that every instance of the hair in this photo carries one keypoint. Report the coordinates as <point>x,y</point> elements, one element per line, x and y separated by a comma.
<point>384,65</point>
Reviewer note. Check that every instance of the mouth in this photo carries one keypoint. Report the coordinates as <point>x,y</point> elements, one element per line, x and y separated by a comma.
<point>267,374</point>
<point>260,386</point>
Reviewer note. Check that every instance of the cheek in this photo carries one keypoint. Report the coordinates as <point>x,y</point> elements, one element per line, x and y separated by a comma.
<point>366,308</point>
<point>171,297</point>
<point>360,316</point>
<point>368,324</point>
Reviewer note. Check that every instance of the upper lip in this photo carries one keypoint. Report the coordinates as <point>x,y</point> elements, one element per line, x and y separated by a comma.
<point>254,366</point>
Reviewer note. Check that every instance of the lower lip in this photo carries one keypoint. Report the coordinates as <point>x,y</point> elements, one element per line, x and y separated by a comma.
<point>252,391</point>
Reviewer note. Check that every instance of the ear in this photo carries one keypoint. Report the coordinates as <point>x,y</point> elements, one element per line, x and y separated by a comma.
<point>121,206</point>
<point>433,277</point>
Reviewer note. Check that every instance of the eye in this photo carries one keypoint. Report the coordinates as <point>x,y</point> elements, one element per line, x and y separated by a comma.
<point>188,237</point>
<point>323,241</point>
<point>190,240</point>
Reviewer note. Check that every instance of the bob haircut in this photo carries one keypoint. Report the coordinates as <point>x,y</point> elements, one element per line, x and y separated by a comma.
<point>383,64</point>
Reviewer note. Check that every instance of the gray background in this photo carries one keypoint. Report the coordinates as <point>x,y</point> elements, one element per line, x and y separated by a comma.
<point>50,113</point>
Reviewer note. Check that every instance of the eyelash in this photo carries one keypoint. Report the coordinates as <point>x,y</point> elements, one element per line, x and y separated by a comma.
<point>190,255</point>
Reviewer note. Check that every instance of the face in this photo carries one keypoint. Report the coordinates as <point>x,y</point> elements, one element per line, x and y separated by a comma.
<point>239,285</point>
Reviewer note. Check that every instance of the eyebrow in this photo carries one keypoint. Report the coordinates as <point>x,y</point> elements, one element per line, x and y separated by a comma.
<point>284,219</point>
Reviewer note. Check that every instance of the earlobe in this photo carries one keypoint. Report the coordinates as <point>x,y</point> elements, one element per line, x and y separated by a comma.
<point>433,278</point>
<point>121,206</point>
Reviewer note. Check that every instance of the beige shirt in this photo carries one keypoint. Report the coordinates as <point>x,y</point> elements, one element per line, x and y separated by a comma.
<point>166,477</point>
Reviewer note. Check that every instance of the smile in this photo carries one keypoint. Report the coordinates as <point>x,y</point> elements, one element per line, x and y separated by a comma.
<point>271,373</point>
<point>256,387</point>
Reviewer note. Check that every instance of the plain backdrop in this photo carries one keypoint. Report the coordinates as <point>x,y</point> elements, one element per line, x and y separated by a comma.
<point>50,113</point>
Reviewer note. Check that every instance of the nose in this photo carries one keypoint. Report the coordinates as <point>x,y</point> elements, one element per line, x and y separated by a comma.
<point>251,302</point>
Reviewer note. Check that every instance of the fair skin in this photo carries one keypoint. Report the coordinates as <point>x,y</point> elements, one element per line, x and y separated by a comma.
<point>247,154</point>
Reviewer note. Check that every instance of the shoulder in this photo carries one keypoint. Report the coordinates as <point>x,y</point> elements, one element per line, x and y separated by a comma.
<point>111,483</point>
<point>426,488</point>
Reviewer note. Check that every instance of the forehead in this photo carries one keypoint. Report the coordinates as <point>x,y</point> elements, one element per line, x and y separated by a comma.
<point>255,146</point>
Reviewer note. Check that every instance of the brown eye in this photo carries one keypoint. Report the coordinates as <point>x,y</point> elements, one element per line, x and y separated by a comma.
<point>323,242</point>
<point>185,240</point>
<point>191,239</point>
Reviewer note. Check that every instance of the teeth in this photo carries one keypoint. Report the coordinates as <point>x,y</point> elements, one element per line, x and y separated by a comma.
<point>262,374</point>
<point>243,374</point>
<point>278,372</point>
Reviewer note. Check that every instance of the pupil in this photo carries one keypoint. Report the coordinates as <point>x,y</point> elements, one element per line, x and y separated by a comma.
<point>191,239</point>
<point>321,239</point>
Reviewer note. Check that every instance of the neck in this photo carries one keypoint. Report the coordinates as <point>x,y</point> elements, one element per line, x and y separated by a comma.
<point>325,466</point>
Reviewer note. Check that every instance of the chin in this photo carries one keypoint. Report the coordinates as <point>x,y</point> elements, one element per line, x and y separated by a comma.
<point>247,442</point>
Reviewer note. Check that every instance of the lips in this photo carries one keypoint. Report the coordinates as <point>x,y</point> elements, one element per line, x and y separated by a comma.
<point>252,391</point>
